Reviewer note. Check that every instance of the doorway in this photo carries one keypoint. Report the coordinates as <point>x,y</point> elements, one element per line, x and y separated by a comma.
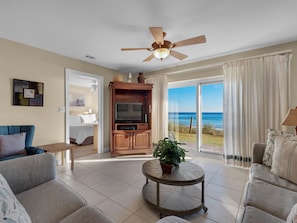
<point>84,109</point>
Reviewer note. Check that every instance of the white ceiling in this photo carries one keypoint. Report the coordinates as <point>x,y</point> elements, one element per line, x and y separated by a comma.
<point>99,28</point>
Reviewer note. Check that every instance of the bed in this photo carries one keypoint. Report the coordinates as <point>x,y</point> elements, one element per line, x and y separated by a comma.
<point>82,128</point>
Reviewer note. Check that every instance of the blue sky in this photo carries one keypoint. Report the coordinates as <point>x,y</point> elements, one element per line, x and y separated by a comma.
<point>185,98</point>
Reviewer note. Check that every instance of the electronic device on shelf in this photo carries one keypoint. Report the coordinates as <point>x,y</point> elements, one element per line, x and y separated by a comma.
<point>129,112</point>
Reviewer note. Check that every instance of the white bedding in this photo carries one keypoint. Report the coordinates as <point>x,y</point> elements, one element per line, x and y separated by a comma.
<point>80,132</point>
<point>82,127</point>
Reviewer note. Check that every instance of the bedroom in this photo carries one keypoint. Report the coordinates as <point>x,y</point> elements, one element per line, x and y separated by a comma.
<point>83,111</point>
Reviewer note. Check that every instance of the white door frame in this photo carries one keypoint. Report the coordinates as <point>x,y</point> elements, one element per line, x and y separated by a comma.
<point>68,74</point>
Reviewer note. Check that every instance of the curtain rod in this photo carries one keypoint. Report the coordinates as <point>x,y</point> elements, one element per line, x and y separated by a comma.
<point>262,55</point>
<point>188,70</point>
<point>222,63</point>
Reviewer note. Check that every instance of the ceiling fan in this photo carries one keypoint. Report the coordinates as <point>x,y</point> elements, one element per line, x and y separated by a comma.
<point>162,48</point>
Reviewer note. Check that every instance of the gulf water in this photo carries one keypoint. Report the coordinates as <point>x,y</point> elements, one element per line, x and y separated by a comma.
<point>208,118</point>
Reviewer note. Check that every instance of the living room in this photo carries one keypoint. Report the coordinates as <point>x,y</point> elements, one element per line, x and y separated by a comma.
<point>25,62</point>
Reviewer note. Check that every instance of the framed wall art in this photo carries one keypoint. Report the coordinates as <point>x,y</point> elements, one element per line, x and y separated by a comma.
<point>77,100</point>
<point>27,93</point>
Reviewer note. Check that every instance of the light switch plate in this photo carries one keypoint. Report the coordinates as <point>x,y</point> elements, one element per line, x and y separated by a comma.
<point>61,109</point>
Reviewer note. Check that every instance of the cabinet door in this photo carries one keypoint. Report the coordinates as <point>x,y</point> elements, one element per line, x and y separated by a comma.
<point>122,141</point>
<point>142,140</point>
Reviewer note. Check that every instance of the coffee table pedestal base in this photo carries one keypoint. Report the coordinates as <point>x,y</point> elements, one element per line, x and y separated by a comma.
<point>174,200</point>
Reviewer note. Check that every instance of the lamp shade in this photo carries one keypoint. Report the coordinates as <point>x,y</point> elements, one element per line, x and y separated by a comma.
<point>291,118</point>
<point>161,53</point>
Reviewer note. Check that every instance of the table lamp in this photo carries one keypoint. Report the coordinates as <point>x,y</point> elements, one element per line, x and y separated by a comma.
<point>291,118</point>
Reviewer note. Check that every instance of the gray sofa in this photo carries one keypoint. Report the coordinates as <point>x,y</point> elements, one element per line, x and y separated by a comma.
<point>268,198</point>
<point>33,181</point>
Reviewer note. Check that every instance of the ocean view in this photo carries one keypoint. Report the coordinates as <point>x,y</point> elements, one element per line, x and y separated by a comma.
<point>208,118</point>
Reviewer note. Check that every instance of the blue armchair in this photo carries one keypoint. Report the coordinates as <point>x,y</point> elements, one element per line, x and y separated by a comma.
<point>16,129</point>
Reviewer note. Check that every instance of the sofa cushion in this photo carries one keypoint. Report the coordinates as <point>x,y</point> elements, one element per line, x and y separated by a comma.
<point>11,208</point>
<point>24,173</point>
<point>269,150</point>
<point>87,214</point>
<point>284,162</point>
<point>12,144</point>
<point>252,215</point>
<point>50,202</point>
<point>272,199</point>
<point>292,217</point>
<point>262,172</point>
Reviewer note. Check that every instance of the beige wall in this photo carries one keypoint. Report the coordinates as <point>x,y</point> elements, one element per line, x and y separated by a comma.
<point>23,62</point>
<point>213,67</point>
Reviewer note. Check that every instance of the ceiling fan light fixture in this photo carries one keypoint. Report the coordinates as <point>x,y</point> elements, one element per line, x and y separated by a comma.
<point>161,53</point>
<point>94,87</point>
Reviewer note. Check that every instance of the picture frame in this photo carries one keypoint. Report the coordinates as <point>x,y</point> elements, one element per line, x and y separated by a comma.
<point>77,100</point>
<point>27,93</point>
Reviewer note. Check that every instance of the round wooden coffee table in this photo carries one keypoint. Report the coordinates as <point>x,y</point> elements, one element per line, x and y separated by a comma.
<point>176,193</point>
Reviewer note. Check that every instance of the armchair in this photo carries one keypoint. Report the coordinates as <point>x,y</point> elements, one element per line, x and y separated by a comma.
<point>16,141</point>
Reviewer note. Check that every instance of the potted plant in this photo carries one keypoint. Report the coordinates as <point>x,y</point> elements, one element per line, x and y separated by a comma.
<point>169,153</point>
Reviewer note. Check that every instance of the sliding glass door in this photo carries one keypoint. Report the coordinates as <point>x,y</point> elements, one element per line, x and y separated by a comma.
<point>195,114</point>
<point>210,110</point>
<point>182,114</point>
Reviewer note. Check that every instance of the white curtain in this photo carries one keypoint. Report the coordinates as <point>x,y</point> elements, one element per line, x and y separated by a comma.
<point>159,107</point>
<point>256,97</point>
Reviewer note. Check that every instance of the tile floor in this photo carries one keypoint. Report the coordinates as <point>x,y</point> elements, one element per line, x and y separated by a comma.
<point>114,185</point>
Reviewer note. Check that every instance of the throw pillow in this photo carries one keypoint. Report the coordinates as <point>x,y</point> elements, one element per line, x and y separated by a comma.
<point>271,135</point>
<point>12,144</point>
<point>11,209</point>
<point>292,217</point>
<point>284,163</point>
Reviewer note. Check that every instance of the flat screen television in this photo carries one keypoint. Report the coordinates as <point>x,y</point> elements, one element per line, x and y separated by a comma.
<point>127,112</point>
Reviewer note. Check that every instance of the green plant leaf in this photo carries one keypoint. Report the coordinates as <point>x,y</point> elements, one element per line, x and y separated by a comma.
<point>169,152</point>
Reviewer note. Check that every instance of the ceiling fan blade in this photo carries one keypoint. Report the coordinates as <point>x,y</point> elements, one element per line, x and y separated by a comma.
<point>126,49</point>
<point>149,58</point>
<point>192,41</point>
<point>178,55</point>
<point>158,35</point>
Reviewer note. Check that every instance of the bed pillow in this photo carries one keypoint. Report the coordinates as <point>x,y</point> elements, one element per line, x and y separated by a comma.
<point>292,217</point>
<point>271,135</point>
<point>12,144</point>
<point>11,209</point>
<point>75,120</point>
<point>284,163</point>
<point>88,119</point>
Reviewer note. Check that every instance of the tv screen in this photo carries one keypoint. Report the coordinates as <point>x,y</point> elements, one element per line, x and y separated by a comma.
<point>128,112</point>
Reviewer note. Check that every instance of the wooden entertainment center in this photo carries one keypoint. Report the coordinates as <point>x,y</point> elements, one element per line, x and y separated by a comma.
<point>130,118</point>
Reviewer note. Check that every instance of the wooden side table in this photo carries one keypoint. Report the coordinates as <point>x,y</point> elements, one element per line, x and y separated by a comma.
<point>61,147</point>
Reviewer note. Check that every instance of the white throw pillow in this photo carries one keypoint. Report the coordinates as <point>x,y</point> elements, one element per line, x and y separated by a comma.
<point>12,144</point>
<point>284,162</point>
<point>292,217</point>
<point>271,135</point>
<point>11,209</point>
